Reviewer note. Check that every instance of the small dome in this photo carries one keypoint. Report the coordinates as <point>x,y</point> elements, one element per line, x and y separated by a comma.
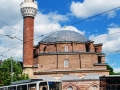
<point>64,36</point>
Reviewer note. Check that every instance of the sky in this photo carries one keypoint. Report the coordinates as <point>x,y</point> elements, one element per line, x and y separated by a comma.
<point>59,15</point>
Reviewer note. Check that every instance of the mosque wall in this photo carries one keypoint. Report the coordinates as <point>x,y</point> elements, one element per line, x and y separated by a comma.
<point>98,48</point>
<point>47,62</point>
<point>60,47</point>
<point>79,47</point>
<point>73,61</point>
<point>68,47</point>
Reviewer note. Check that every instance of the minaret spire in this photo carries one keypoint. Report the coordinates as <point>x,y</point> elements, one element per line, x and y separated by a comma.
<point>28,10</point>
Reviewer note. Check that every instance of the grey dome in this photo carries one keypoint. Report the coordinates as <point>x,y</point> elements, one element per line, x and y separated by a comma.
<point>64,36</point>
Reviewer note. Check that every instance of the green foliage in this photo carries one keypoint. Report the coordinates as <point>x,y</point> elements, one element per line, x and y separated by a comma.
<point>112,71</point>
<point>5,72</point>
<point>117,73</point>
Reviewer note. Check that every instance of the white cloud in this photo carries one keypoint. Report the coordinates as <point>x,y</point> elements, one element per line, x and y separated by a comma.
<point>44,23</point>
<point>116,70</point>
<point>113,64</point>
<point>73,29</point>
<point>92,7</point>
<point>113,25</point>
<point>110,40</point>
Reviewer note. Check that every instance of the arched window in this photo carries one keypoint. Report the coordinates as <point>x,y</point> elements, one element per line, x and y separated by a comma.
<point>66,48</point>
<point>70,88</point>
<point>65,63</point>
<point>94,87</point>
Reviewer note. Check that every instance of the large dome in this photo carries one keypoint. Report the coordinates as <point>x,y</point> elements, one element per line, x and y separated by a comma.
<point>64,36</point>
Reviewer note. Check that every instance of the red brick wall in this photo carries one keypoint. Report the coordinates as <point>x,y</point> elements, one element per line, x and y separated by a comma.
<point>28,41</point>
<point>74,62</point>
<point>98,49</point>
<point>53,62</point>
<point>79,47</point>
<point>82,61</point>
<point>61,47</point>
<point>81,85</point>
<point>92,47</point>
<point>47,62</point>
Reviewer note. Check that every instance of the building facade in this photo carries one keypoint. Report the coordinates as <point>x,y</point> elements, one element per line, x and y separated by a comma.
<point>62,55</point>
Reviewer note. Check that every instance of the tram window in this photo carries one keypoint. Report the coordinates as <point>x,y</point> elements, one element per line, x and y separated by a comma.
<point>12,88</point>
<point>43,86</point>
<point>32,86</point>
<point>54,86</point>
<point>5,88</point>
<point>22,87</point>
<point>1,89</point>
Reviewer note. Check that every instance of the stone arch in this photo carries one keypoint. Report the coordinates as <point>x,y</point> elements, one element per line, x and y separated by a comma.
<point>93,84</point>
<point>71,84</point>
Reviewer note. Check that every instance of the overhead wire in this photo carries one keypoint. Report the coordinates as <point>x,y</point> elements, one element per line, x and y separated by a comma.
<point>11,48</point>
<point>95,15</point>
<point>59,29</point>
<point>11,37</point>
<point>105,35</point>
<point>116,51</point>
<point>10,26</point>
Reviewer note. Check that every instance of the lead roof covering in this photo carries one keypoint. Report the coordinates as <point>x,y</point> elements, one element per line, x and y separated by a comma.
<point>64,36</point>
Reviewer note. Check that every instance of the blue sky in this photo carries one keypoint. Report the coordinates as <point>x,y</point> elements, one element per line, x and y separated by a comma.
<point>53,15</point>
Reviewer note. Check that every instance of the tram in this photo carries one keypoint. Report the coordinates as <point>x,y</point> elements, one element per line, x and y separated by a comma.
<point>34,84</point>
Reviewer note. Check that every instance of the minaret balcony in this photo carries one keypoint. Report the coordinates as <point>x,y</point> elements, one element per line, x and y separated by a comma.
<point>29,9</point>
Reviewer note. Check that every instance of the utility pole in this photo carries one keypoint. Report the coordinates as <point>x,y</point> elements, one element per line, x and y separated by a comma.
<point>11,72</point>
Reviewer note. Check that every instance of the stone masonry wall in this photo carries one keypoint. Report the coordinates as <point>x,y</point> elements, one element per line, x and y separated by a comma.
<point>75,62</point>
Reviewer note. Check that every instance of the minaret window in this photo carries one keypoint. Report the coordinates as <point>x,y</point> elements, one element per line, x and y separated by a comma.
<point>66,63</point>
<point>66,48</point>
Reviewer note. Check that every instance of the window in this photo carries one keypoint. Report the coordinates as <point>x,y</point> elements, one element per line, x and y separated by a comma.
<point>94,87</point>
<point>44,48</point>
<point>70,88</point>
<point>65,63</point>
<point>66,48</point>
<point>99,59</point>
<point>87,47</point>
<point>96,49</point>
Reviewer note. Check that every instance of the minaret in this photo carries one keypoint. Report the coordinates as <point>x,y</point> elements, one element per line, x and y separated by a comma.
<point>28,10</point>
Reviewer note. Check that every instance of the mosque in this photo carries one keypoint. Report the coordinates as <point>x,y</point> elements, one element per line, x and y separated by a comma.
<point>62,55</point>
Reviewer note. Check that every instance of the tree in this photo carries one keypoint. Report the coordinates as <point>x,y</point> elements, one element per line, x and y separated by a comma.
<point>10,71</point>
<point>112,71</point>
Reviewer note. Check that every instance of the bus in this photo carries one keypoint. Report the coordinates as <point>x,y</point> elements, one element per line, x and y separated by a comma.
<point>34,84</point>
